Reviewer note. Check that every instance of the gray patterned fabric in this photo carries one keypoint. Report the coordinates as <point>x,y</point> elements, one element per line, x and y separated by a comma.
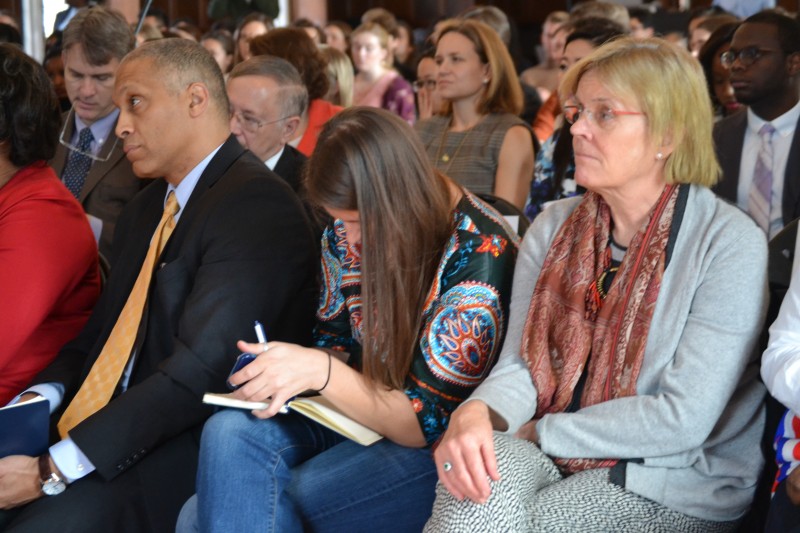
<point>532,496</point>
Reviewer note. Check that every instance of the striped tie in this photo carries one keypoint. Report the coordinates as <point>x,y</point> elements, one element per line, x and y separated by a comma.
<point>98,387</point>
<point>759,202</point>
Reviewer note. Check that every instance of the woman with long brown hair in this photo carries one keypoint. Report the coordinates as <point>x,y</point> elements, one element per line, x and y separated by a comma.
<point>479,140</point>
<point>416,282</point>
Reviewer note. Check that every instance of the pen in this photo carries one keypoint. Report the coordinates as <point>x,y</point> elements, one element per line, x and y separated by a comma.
<point>262,338</point>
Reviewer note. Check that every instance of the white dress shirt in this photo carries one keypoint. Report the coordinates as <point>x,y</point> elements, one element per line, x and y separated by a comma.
<point>781,145</point>
<point>780,363</point>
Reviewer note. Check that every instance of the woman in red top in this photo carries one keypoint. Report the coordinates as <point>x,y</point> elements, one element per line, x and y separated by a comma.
<point>49,279</point>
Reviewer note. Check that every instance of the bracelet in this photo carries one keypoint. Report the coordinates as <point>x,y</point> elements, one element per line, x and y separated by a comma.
<point>327,379</point>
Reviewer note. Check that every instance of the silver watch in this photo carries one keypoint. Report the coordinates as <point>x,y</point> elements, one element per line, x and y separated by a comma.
<point>52,484</point>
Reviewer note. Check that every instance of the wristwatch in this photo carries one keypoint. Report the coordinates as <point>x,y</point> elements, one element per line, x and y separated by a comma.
<point>52,484</point>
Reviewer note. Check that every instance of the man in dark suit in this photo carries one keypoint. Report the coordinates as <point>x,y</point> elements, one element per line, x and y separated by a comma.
<point>95,41</point>
<point>267,100</point>
<point>241,250</point>
<point>764,59</point>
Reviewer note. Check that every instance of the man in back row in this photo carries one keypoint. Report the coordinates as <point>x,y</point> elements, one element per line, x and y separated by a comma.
<point>217,243</point>
<point>759,150</point>
<point>94,167</point>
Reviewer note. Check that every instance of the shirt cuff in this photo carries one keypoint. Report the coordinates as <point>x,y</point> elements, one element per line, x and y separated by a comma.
<point>70,460</point>
<point>52,392</point>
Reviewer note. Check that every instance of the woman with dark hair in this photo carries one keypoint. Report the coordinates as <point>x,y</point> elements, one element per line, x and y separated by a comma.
<point>416,279</point>
<point>219,44</point>
<point>250,27</point>
<point>718,77</point>
<point>49,277</point>
<point>479,140</point>
<point>295,46</point>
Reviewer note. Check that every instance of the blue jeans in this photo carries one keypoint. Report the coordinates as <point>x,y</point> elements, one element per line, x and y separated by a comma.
<point>291,474</point>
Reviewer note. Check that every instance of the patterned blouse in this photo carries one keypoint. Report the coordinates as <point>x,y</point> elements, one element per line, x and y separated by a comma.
<point>543,186</point>
<point>464,318</point>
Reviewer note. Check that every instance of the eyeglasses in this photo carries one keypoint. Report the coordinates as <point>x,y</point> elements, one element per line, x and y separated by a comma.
<point>251,123</point>
<point>102,156</point>
<point>424,84</point>
<point>747,56</point>
<point>603,116</point>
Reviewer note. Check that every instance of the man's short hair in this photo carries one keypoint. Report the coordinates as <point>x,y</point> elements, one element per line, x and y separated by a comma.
<point>181,62</point>
<point>293,93</point>
<point>102,33</point>
<point>788,29</point>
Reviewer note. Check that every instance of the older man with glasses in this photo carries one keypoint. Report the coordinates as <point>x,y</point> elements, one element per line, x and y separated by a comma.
<point>267,99</point>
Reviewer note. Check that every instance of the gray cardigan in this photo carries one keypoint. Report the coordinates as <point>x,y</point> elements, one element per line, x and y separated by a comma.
<point>692,432</point>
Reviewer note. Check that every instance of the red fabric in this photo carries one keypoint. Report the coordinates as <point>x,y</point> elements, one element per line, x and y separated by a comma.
<point>319,111</point>
<point>544,123</point>
<point>49,278</point>
<point>564,327</point>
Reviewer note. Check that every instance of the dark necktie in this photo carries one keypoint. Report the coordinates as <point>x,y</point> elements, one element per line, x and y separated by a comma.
<point>79,164</point>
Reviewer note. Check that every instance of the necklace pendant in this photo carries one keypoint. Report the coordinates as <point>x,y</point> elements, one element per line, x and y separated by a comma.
<point>445,158</point>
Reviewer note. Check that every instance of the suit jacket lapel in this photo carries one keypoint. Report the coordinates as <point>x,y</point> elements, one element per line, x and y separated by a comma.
<point>59,161</point>
<point>791,181</point>
<point>228,153</point>
<point>111,149</point>
<point>730,139</point>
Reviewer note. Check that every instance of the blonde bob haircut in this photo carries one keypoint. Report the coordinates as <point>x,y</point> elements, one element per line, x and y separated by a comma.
<point>503,93</point>
<point>661,78</point>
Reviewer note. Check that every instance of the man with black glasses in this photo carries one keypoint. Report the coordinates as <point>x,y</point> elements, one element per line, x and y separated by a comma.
<point>758,150</point>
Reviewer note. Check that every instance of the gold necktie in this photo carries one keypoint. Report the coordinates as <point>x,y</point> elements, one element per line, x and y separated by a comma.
<point>97,389</point>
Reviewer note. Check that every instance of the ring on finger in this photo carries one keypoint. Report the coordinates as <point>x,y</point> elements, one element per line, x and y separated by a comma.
<point>447,466</point>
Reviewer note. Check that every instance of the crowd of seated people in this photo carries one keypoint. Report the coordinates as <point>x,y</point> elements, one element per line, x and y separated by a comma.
<point>348,187</point>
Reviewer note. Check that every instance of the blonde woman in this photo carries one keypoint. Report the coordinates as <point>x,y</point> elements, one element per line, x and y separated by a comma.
<point>377,84</point>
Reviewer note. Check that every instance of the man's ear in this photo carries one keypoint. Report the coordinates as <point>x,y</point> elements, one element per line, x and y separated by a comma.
<point>198,99</point>
<point>793,63</point>
<point>290,126</point>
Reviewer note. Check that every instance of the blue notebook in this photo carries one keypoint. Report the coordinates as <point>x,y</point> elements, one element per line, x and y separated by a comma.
<point>24,428</point>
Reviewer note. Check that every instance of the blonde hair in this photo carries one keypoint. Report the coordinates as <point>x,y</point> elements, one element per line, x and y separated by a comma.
<point>340,76</point>
<point>661,78</point>
<point>503,93</point>
<point>373,28</point>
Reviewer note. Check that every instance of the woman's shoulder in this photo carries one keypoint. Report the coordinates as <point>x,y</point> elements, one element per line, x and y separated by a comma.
<point>35,182</point>
<point>504,121</point>
<point>476,218</point>
<point>720,218</point>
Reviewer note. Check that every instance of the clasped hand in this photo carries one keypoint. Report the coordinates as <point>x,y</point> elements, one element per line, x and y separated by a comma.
<point>279,373</point>
<point>467,449</point>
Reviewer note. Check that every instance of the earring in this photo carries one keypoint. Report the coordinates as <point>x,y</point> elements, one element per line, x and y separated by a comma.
<point>659,156</point>
<point>485,81</point>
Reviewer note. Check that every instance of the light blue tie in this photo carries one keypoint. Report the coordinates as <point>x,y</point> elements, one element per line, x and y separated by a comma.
<point>759,203</point>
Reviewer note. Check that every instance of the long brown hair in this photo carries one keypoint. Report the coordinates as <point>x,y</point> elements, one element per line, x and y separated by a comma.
<point>370,160</point>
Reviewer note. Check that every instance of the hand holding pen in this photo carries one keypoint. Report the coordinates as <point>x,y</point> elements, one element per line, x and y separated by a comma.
<point>245,358</point>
